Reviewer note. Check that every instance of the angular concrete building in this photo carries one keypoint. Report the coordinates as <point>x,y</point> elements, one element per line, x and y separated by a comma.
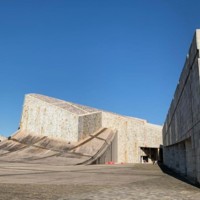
<point>76,134</point>
<point>136,140</point>
<point>181,131</point>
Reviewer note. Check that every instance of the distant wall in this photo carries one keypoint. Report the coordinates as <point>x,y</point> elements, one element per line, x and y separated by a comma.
<point>132,134</point>
<point>152,136</point>
<point>44,118</point>
<point>181,131</point>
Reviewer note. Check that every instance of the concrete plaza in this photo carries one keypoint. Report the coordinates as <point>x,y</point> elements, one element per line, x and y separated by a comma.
<point>20,181</point>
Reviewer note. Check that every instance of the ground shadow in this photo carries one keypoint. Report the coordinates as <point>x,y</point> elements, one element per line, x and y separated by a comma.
<point>176,175</point>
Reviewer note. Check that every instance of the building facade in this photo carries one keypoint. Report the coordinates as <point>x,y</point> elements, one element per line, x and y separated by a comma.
<point>181,131</point>
<point>136,141</point>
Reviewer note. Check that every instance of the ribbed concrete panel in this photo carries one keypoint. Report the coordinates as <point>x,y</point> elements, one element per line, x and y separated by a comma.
<point>30,148</point>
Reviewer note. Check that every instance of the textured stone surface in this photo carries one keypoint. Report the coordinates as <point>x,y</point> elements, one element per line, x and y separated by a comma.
<point>181,131</point>
<point>88,124</point>
<point>133,133</point>
<point>44,118</point>
<point>53,117</point>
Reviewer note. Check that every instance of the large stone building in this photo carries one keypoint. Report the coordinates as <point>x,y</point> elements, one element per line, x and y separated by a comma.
<point>181,131</point>
<point>130,140</point>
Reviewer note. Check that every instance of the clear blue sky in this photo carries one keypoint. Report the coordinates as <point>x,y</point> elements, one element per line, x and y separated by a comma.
<point>116,55</point>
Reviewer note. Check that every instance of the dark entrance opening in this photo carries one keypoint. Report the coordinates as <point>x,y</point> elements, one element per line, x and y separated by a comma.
<point>145,159</point>
<point>161,154</point>
<point>149,155</point>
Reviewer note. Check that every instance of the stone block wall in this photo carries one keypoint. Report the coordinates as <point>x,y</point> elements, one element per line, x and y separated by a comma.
<point>152,135</point>
<point>181,131</point>
<point>89,123</point>
<point>43,118</point>
<point>132,134</point>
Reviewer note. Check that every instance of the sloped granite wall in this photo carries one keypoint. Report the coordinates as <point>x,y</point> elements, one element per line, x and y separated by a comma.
<point>45,118</point>
<point>88,124</point>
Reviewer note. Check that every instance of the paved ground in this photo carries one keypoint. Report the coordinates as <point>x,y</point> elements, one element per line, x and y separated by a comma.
<point>20,181</point>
